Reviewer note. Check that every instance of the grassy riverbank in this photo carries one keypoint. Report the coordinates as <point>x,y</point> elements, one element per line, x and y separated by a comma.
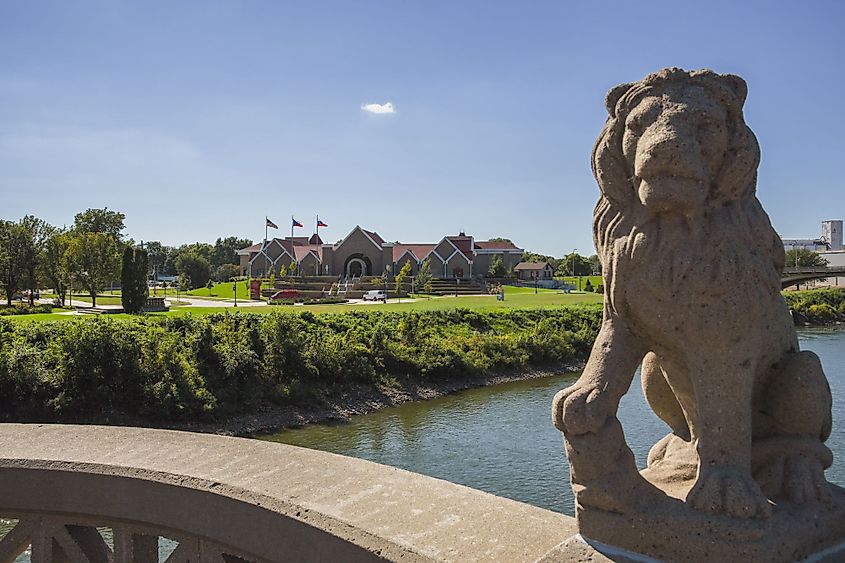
<point>167,370</point>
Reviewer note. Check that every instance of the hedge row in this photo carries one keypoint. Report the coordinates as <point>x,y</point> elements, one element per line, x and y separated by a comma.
<point>204,367</point>
<point>820,306</point>
<point>23,308</point>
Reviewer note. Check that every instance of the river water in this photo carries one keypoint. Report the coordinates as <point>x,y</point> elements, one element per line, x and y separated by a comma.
<point>500,439</point>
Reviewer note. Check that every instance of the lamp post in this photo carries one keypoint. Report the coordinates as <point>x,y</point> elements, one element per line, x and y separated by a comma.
<point>235,292</point>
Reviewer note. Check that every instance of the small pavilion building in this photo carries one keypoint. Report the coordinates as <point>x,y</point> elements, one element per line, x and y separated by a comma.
<point>534,271</point>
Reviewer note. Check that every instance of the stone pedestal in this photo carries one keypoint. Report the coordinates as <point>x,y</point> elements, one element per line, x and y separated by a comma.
<point>667,529</point>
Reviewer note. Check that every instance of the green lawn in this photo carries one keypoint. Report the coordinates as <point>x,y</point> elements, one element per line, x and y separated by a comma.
<point>221,291</point>
<point>515,298</point>
<point>102,298</point>
<point>595,281</point>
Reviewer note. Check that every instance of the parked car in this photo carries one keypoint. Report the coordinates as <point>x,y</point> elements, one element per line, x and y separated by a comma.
<point>375,295</point>
<point>283,296</point>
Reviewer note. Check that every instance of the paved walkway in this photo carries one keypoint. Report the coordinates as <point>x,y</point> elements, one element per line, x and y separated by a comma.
<point>200,302</point>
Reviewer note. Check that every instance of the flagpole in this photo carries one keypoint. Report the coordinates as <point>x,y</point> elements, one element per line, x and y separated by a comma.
<point>318,227</point>
<point>265,229</point>
<point>291,226</point>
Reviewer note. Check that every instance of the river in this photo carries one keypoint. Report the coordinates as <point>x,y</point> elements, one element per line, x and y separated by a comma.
<point>500,439</point>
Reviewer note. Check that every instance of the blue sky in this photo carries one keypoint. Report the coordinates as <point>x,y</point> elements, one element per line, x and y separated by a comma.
<point>198,118</point>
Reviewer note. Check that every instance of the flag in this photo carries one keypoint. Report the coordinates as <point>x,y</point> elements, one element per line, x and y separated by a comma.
<point>295,223</point>
<point>271,224</point>
<point>321,224</point>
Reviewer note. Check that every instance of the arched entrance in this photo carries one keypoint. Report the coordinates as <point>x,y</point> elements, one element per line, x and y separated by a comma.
<point>356,268</point>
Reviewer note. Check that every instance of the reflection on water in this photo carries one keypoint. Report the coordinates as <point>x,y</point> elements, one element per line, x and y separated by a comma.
<point>500,439</point>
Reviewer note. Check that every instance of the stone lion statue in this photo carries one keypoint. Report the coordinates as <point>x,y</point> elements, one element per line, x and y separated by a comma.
<point>691,269</point>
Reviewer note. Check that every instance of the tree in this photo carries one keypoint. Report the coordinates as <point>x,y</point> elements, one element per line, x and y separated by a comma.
<point>202,249</point>
<point>573,264</point>
<point>226,250</point>
<point>804,258</point>
<point>35,232</point>
<point>100,221</point>
<point>595,265</point>
<point>133,280</point>
<point>157,257</point>
<point>225,272</point>
<point>12,242</point>
<point>54,265</point>
<point>93,260</point>
<point>497,268</point>
<point>21,249</point>
<point>195,267</point>
<point>424,276</point>
<point>403,274</point>
<point>183,282</point>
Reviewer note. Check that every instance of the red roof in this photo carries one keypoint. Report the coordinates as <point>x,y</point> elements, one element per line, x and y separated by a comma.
<point>250,249</point>
<point>495,244</point>
<point>375,236</point>
<point>301,251</point>
<point>532,266</point>
<point>419,250</point>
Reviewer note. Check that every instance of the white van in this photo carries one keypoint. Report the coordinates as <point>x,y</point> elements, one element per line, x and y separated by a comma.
<point>375,295</point>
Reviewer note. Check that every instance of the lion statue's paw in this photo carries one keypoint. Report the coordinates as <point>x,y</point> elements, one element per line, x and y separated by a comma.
<point>796,478</point>
<point>729,491</point>
<point>581,409</point>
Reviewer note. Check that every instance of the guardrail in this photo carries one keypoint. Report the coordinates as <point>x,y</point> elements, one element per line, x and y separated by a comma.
<point>102,494</point>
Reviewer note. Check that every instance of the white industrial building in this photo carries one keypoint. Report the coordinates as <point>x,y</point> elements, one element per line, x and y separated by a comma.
<point>830,239</point>
<point>829,245</point>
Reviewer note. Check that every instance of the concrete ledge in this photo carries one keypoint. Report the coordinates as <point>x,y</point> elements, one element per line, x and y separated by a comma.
<point>270,501</point>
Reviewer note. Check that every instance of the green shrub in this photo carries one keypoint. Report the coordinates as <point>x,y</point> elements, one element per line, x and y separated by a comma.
<point>821,313</point>
<point>820,306</point>
<point>25,309</point>
<point>178,368</point>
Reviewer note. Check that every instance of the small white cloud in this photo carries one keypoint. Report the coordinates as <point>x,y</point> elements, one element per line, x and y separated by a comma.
<point>379,108</point>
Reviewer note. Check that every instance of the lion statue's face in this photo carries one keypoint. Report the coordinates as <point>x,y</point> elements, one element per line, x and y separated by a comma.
<point>675,141</point>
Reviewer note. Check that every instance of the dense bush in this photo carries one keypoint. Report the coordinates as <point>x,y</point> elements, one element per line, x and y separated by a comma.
<point>24,308</point>
<point>820,306</point>
<point>171,368</point>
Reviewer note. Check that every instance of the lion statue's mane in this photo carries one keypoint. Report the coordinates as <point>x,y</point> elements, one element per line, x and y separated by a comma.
<point>619,215</point>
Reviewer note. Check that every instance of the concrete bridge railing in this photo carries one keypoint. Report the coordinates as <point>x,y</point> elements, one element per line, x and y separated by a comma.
<point>792,275</point>
<point>94,493</point>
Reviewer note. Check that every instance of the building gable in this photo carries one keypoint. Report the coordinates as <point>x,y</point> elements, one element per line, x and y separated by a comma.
<point>358,234</point>
<point>445,248</point>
